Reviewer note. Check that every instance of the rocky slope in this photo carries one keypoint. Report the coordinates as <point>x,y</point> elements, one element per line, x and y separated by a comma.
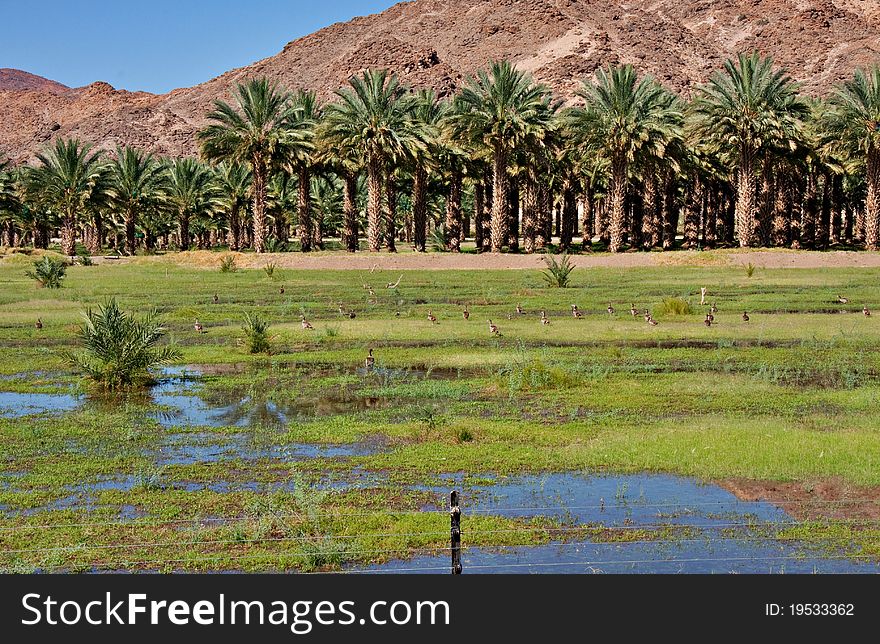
<point>438,43</point>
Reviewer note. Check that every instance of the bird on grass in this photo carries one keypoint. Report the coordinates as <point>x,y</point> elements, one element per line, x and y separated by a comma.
<point>866,312</point>
<point>370,361</point>
<point>351,315</point>
<point>633,311</point>
<point>746,317</point>
<point>466,314</point>
<point>544,319</point>
<point>708,321</point>
<point>519,310</point>
<point>432,318</point>
<point>198,327</point>
<point>216,299</point>
<point>393,285</point>
<point>305,323</point>
<point>842,300</point>
<point>281,290</point>
<point>652,322</point>
<point>714,309</point>
<point>39,324</point>
<point>648,316</point>
<point>493,329</point>
<point>610,309</point>
<point>710,317</point>
<point>576,312</point>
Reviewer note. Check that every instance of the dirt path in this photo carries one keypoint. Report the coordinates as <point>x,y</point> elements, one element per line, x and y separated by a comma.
<point>449,261</point>
<point>826,499</point>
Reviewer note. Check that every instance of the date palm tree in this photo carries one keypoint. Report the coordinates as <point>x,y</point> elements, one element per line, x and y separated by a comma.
<point>625,120</point>
<point>429,116</point>
<point>69,181</point>
<point>9,204</point>
<point>743,110</point>
<point>500,110</point>
<point>372,117</point>
<point>234,184</point>
<point>137,183</point>
<point>192,192</point>
<point>306,117</point>
<point>261,131</point>
<point>853,127</point>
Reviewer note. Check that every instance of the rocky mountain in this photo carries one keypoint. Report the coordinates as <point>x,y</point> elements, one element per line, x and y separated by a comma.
<point>438,43</point>
<point>18,81</point>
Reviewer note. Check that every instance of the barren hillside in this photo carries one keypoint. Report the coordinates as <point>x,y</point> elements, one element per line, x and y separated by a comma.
<point>438,43</point>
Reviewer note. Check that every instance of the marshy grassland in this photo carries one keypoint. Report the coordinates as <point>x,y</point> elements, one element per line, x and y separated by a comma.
<point>302,459</point>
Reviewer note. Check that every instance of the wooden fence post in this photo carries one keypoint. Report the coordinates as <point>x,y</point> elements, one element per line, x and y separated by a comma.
<point>455,514</point>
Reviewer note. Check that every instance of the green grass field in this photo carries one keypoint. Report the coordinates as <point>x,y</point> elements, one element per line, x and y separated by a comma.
<point>790,396</point>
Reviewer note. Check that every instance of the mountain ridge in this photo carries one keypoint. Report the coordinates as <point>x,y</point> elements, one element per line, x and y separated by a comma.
<point>438,43</point>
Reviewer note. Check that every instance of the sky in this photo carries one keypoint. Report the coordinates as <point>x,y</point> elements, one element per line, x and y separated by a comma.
<point>157,45</point>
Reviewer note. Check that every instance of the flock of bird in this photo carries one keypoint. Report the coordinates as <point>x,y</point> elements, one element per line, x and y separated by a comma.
<point>494,329</point>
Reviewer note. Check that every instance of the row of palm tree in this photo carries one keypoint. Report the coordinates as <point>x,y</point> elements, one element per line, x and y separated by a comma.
<point>749,160</point>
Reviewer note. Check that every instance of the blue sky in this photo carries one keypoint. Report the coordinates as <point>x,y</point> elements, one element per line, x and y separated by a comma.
<point>157,45</point>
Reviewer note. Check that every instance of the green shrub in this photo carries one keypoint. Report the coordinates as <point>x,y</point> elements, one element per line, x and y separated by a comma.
<point>256,333</point>
<point>437,240</point>
<point>227,264</point>
<point>269,269</point>
<point>558,273</point>
<point>49,272</point>
<point>120,350</point>
<point>750,269</point>
<point>674,306</point>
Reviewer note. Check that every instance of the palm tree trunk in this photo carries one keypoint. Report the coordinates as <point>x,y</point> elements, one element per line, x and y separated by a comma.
<point>649,217</point>
<point>715,200</point>
<point>391,215</point>
<point>836,209</point>
<point>453,212</point>
<point>745,201</point>
<point>692,214</point>
<point>479,214</point>
<point>259,206</point>
<point>810,212</point>
<point>183,222</point>
<point>130,231</point>
<point>823,223</point>
<point>420,209</point>
<point>567,216</point>
<point>68,234</point>
<point>589,210</point>
<point>233,235</point>
<point>872,203</point>
<point>618,205</point>
<point>513,203</point>
<point>304,210</point>
<point>530,207</point>
<point>374,205</point>
<point>350,233</point>
<point>499,200</point>
<point>637,221</point>
<point>544,221</point>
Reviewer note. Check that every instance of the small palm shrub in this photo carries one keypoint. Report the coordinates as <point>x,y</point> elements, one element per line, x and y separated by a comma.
<point>49,272</point>
<point>119,350</point>
<point>558,273</point>
<point>674,306</point>
<point>227,264</point>
<point>86,260</point>
<point>256,333</point>
<point>269,269</point>
<point>750,269</point>
<point>437,241</point>
<point>274,245</point>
